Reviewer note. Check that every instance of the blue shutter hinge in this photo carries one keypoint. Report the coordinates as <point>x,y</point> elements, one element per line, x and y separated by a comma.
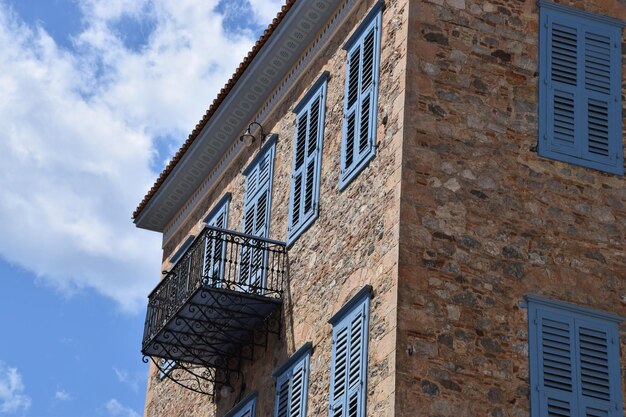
<point>535,321</point>
<point>537,388</point>
<point>545,138</point>
<point>545,25</point>
<point>545,81</point>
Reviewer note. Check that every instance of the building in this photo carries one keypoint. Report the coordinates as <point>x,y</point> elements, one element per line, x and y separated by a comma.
<point>430,220</point>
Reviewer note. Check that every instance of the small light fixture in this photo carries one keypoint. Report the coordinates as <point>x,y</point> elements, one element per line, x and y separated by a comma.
<point>250,137</point>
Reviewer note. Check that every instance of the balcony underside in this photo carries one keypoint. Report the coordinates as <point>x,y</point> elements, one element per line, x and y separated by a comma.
<point>214,327</point>
<point>214,306</point>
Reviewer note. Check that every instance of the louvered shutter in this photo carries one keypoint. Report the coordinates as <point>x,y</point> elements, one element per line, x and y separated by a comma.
<point>359,117</point>
<point>282,397</point>
<point>557,374</point>
<point>256,215</point>
<point>292,385</point>
<point>360,101</point>
<point>581,79</point>
<point>214,256</point>
<point>575,365</point>
<point>598,364</point>
<point>303,204</point>
<point>298,391</point>
<point>349,364</point>
<point>339,372</point>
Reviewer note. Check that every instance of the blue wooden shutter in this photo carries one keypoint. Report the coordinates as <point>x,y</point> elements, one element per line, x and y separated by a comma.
<point>574,361</point>
<point>360,101</point>
<point>556,363</point>
<point>292,385</point>
<point>297,396</point>
<point>339,371</point>
<point>349,363</point>
<point>580,104</point>
<point>245,408</point>
<point>214,256</point>
<point>598,366</point>
<point>304,197</point>
<point>282,397</point>
<point>256,217</point>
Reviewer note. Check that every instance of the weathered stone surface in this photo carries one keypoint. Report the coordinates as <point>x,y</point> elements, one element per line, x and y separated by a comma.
<point>452,222</point>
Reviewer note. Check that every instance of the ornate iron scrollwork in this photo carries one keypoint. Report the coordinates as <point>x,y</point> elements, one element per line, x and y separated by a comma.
<point>215,305</point>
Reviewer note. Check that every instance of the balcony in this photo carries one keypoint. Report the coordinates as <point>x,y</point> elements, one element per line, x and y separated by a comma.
<point>216,304</point>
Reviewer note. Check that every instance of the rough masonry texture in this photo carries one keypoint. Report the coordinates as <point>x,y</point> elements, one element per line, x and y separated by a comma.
<point>452,222</point>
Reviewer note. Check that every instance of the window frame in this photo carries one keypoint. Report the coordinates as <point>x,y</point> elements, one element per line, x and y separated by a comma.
<point>306,218</point>
<point>301,359</point>
<point>373,21</point>
<point>541,307</point>
<point>578,152</point>
<point>343,322</point>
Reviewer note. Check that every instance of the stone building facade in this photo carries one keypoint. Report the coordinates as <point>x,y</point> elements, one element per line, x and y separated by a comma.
<point>456,228</point>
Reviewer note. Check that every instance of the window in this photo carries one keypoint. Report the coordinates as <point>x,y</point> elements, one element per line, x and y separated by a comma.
<point>348,374</point>
<point>256,216</point>
<point>292,381</point>
<point>574,360</point>
<point>307,156</point>
<point>580,119</point>
<point>214,256</point>
<point>358,145</point>
<point>245,407</point>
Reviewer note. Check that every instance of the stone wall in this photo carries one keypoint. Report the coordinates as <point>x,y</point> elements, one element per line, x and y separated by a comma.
<point>353,242</point>
<point>485,220</point>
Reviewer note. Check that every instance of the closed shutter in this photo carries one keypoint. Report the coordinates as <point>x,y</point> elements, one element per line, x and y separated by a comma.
<point>595,357</point>
<point>558,374</point>
<point>349,363</point>
<point>362,77</point>
<point>575,364</point>
<point>214,255</point>
<point>582,80</point>
<point>303,201</point>
<point>282,397</point>
<point>360,101</point>
<point>292,385</point>
<point>256,216</point>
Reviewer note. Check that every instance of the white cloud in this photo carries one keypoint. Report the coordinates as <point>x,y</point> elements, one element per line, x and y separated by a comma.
<point>115,409</point>
<point>12,396</point>
<point>62,395</point>
<point>266,10</point>
<point>78,135</point>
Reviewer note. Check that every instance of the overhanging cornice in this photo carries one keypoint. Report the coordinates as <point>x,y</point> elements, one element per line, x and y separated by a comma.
<point>218,139</point>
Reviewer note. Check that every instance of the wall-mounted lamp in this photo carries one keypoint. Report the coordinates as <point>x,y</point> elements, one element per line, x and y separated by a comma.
<point>250,137</point>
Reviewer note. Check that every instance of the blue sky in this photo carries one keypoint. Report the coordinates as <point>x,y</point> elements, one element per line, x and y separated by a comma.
<point>96,95</point>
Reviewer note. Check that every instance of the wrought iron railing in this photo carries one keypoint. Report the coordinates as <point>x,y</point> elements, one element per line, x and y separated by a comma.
<point>220,259</point>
